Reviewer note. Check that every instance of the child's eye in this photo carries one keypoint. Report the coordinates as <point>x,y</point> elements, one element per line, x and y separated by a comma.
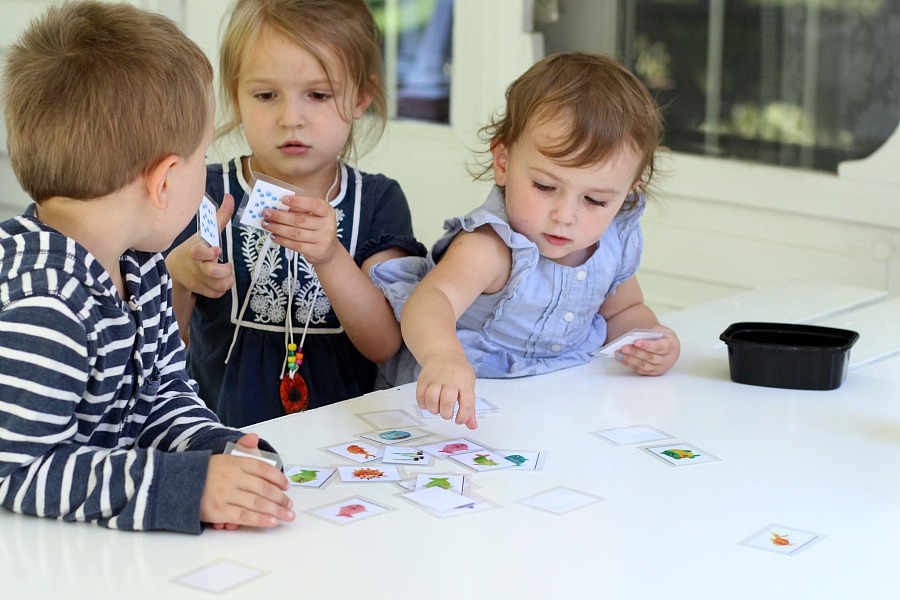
<point>541,187</point>
<point>264,96</point>
<point>320,96</point>
<point>595,202</point>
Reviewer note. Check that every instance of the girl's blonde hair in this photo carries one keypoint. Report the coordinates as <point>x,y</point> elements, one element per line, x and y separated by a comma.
<point>345,28</point>
<point>602,104</point>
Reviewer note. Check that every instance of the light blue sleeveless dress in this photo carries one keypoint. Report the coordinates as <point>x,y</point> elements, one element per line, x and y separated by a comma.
<point>546,318</point>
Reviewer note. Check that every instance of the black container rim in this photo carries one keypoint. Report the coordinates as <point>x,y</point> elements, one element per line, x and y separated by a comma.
<point>847,337</point>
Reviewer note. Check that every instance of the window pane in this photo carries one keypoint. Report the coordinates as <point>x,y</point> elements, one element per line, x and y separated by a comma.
<point>417,49</point>
<point>805,83</point>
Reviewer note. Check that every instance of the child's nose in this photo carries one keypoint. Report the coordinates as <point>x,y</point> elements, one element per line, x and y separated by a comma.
<point>292,115</point>
<point>564,211</point>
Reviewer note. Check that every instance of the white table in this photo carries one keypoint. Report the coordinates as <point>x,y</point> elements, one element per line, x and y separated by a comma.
<point>819,461</point>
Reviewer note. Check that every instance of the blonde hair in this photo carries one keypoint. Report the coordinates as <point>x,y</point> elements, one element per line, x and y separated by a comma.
<point>602,104</point>
<point>95,94</point>
<point>346,28</point>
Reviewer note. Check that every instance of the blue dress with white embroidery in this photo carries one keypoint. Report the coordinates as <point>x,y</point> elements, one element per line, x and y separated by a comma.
<point>372,216</point>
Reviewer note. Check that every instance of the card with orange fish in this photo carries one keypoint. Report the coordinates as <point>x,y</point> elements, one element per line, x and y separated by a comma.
<point>787,541</point>
<point>357,451</point>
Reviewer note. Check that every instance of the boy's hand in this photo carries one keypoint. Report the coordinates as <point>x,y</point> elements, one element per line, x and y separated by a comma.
<point>244,491</point>
<point>195,265</point>
<point>445,381</point>
<point>309,227</point>
<point>651,357</point>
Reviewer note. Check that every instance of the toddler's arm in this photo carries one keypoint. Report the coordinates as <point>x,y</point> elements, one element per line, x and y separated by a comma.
<point>625,310</point>
<point>475,263</point>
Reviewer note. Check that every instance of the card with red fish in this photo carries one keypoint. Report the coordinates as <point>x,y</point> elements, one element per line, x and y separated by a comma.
<point>357,451</point>
<point>386,419</point>
<point>306,476</point>
<point>395,435</point>
<point>450,447</point>
<point>787,541</point>
<point>560,500</point>
<point>632,435</point>
<point>350,510</point>
<point>370,474</point>
<point>681,454</point>
<point>484,460</point>
<point>406,455</point>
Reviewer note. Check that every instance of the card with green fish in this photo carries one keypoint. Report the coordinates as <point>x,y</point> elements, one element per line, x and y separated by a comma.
<point>308,477</point>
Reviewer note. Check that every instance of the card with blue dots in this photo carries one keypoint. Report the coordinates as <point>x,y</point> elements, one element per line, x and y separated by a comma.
<point>266,194</point>
<point>207,226</point>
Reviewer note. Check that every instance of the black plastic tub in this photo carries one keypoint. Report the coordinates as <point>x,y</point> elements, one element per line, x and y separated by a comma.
<point>798,357</point>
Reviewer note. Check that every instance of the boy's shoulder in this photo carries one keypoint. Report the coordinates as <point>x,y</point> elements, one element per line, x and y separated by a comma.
<point>38,261</point>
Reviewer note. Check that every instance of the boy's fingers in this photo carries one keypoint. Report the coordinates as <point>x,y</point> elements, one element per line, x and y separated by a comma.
<point>249,440</point>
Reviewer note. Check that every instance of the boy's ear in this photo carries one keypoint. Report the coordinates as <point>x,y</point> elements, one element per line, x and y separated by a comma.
<point>158,181</point>
<point>501,159</point>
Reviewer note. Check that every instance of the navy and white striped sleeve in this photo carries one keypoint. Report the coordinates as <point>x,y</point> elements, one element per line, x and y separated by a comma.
<point>44,469</point>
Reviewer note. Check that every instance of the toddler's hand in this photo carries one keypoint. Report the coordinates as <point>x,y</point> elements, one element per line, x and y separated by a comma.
<point>309,227</point>
<point>651,357</point>
<point>445,381</point>
<point>244,491</point>
<point>195,265</point>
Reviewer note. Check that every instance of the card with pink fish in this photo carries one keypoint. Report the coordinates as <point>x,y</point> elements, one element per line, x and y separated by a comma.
<point>350,510</point>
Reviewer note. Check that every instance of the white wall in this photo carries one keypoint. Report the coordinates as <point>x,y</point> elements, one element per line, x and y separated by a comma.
<point>717,226</point>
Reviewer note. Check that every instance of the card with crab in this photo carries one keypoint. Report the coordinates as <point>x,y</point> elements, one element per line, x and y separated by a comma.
<point>371,474</point>
<point>786,541</point>
<point>357,451</point>
<point>350,510</point>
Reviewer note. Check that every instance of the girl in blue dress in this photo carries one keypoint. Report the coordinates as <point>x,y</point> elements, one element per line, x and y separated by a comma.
<point>297,77</point>
<point>543,273</point>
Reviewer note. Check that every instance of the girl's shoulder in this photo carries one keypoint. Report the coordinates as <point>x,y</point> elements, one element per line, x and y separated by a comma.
<point>377,184</point>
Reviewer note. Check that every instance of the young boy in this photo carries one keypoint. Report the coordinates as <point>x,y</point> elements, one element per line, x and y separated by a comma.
<point>109,111</point>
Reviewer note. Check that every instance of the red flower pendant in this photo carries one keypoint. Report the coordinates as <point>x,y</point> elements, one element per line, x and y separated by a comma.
<point>294,395</point>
